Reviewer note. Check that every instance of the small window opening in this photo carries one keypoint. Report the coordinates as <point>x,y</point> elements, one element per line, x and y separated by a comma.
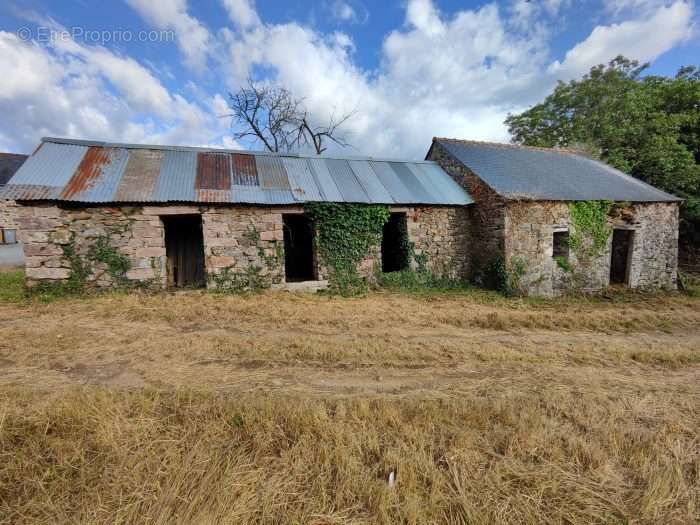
<point>560,246</point>
<point>395,250</point>
<point>8,236</point>
<point>620,256</point>
<point>298,248</point>
<point>184,248</point>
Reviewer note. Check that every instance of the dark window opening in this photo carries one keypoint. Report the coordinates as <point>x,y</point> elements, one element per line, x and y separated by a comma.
<point>184,248</point>
<point>298,248</point>
<point>620,256</point>
<point>560,246</point>
<point>395,249</point>
<point>8,236</point>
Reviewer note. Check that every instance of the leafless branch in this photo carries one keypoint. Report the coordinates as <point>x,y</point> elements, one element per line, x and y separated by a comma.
<point>273,117</point>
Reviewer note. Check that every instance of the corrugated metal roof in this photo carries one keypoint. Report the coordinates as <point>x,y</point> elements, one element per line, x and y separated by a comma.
<point>518,172</point>
<point>81,171</point>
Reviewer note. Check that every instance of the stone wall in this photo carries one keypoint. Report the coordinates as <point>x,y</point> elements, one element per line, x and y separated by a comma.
<point>241,239</point>
<point>237,240</point>
<point>486,216</point>
<point>530,228</point>
<point>8,209</point>
<point>442,235</point>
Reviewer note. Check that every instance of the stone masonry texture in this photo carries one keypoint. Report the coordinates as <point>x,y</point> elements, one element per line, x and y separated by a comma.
<point>530,228</point>
<point>523,231</point>
<point>7,214</point>
<point>235,239</point>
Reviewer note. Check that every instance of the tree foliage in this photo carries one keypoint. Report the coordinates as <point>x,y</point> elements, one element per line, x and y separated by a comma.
<point>645,125</point>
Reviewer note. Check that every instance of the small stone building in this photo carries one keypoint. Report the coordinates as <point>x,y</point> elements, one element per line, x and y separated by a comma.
<point>9,164</point>
<point>178,216</point>
<point>524,214</point>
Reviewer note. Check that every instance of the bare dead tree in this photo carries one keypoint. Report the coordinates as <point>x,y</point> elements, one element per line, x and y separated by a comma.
<point>312,135</point>
<point>272,116</point>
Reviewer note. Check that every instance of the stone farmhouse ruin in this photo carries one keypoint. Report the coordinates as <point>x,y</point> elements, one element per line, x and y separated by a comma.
<point>178,216</point>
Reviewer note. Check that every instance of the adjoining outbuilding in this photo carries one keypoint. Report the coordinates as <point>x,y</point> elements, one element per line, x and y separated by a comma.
<point>115,214</point>
<point>554,221</point>
<point>9,164</point>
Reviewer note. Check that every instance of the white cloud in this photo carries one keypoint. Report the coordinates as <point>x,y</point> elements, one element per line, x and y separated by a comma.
<point>89,92</point>
<point>455,75</point>
<point>242,13</point>
<point>193,38</point>
<point>643,39</point>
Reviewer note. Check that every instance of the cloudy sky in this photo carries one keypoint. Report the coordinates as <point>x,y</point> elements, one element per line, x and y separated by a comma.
<point>159,71</point>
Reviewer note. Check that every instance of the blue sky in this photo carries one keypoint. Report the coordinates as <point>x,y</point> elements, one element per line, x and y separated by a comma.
<point>409,70</point>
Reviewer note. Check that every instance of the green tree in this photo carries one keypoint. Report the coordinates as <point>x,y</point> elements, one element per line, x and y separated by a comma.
<point>645,125</point>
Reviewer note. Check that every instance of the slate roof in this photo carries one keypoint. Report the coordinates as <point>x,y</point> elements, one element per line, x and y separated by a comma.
<point>98,172</point>
<point>9,164</point>
<point>519,172</point>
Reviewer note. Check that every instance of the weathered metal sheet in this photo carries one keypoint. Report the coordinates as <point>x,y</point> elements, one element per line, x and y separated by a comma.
<point>426,183</point>
<point>326,185</point>
<point>51,165</point>
<point>301,179</point>
<point>208,195</point>
<point>17,192</point>
<point>97,176</point>
<point>350,188</point>
<point>176,179</point>
<point>140,177</point>
<point>391,181</point>
<point>446,188</point>
<point>213,171</point>
<point>419,194</point>
<point>373,187</point>
<point>546,174</point>
<point>97,172</point>
<point>245,172</point>
<point>273,180</point>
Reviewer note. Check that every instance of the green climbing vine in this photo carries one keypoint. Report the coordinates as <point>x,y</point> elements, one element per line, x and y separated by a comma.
<point>345,234</point>
<point>590,218</point>
<point>100,251</point>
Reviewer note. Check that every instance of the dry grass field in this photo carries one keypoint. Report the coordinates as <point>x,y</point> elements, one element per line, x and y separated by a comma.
<point>280,408</point>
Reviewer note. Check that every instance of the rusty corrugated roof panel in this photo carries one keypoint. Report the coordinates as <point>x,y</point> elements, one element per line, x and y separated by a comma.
<point>140,176</point>
<point>176,179</point>
<point>213,171</point>
<point>18,192</point>
<point>97,176</point>
<point>245,172</point>
<point>82,171</point>
<point>273,180</point>
<point>207,195</point>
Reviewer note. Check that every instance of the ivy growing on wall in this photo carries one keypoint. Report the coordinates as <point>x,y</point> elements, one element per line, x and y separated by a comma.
<point>345,234</point>
<point>101,251</point>
<point>590,218</point>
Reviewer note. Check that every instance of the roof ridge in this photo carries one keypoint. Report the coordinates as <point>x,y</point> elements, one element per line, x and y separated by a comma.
<point>567,151</point>
<point>165,147</point>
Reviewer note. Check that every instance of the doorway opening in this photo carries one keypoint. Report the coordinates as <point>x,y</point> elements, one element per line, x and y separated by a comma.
<point>298,248</point>
<point>395,250</point>
<point>184,249</point>
<point>620,256</point>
